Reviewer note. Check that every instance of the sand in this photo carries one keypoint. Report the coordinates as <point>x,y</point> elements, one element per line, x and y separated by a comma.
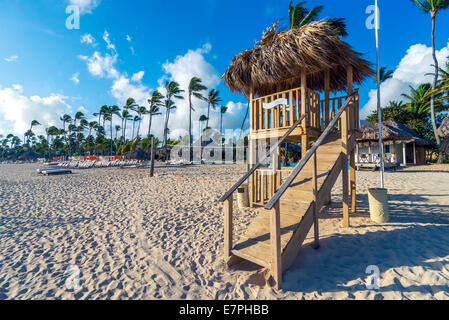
<point>119,234</point>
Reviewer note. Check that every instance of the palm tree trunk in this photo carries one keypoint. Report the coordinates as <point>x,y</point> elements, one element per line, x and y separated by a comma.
<point>111,137</point>
<point>149,125</point>
<point>138,129</point>
<point>167,113</point>
<point>134,124</point>
<point>434,84</point>
<point>208,114</point>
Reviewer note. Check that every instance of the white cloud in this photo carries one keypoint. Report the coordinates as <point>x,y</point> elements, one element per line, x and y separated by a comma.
<point>85,6</point>
<point>46,110</point>
<point>75,78</point>
<point>122,89</point>
<point>101,66</point>
<point>12,58</point>
<point>414,69</point>
<point>110,45</point>
<point>137,77</point>
<point>181,70</point>
<point>88,39</point>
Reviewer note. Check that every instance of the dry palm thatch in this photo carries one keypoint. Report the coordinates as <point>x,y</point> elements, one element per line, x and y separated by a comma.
<point>276,63</point>
<point>392,132</point>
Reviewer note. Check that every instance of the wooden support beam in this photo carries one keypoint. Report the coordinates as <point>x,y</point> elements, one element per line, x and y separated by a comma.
<point>326,97</point>
<point>228,210</point>
<point>304,137</point>
<point>316,244</point>
<point>275,237</point>
<point>345,151</point>
<point>352,177</point>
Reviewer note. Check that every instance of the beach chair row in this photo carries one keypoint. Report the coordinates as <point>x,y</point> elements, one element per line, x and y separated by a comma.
<point>100,164</point>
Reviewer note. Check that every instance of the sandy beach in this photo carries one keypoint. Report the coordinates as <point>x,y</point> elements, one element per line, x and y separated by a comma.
<point>135,237</point>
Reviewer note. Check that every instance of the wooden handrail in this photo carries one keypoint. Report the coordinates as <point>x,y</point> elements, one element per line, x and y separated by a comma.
<point>257,166</point>
<point>270,205</point>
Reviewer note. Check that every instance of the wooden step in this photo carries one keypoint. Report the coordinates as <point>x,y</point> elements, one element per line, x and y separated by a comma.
<point>255,245</point>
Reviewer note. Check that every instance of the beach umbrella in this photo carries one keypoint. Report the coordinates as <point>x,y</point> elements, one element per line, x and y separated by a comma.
<point>379,109</point>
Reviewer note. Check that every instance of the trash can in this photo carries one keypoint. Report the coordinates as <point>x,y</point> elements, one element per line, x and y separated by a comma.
<point>243,196</point>
<point>378,205</point>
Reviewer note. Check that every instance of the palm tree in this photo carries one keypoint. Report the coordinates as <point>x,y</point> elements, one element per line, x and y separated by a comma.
<point>384,75</point>
<point>299,16</point>
<point>173,92</point>
<point>125,116</point>
<point>92,126</point>
<point>223,110</point>
<point>155,103</point>
<point>117,129</point>
<point>34,123</point>
<point>169,105</point>
<point>212,100</point>
<point>433,7</point>
<point>202,119</point>
<point>109,115</point>
<point>130,105</point>
<point>140,112</point>
<point>195,87</point>
<point>419,102</point>
<point>136,119</point>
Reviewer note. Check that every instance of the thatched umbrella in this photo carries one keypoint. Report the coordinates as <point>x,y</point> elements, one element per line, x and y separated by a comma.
<point>277,61</point>
<point>392,132</point>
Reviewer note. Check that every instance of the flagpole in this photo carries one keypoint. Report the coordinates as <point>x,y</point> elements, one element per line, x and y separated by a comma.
<point>379,109</point>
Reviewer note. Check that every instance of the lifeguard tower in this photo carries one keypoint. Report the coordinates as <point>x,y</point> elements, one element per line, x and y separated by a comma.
<point>292,80</point>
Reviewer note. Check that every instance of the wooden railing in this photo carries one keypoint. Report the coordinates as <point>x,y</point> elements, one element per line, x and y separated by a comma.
<point>228,197</point>
<point>283,116</point>
<point>348,124</point>
<point>318,111</point>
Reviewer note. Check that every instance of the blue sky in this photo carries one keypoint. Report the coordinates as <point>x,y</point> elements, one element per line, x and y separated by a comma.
<point>46,69</point>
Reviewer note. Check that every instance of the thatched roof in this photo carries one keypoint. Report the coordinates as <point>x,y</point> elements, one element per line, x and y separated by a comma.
<point>276,63</point>
<point>443,131</point>
<point>392,132</point>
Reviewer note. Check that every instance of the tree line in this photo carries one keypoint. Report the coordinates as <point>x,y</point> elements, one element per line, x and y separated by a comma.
<point>76,136</point>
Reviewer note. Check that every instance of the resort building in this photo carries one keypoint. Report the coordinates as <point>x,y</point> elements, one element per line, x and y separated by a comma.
<point>402,146</point>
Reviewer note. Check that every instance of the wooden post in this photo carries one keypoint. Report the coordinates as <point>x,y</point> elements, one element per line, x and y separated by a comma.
<point>228,228</point>
<point>153,152</point>
<point>404,153</point>
<point>251,154</point>
<point>353,183</point>
<point>414,153</point>
<point>316,244</point>
<point>251,164</point>
<point>345,151</point>
<point>326,97</point>
<point>304,137</point>
<point>275,237</point>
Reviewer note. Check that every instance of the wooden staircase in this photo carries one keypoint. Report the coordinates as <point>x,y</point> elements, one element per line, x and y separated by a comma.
<point>296,211</point>
<point>274,238</point>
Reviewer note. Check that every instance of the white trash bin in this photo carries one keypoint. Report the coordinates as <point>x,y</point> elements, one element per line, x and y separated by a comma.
<point>378,205</point>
